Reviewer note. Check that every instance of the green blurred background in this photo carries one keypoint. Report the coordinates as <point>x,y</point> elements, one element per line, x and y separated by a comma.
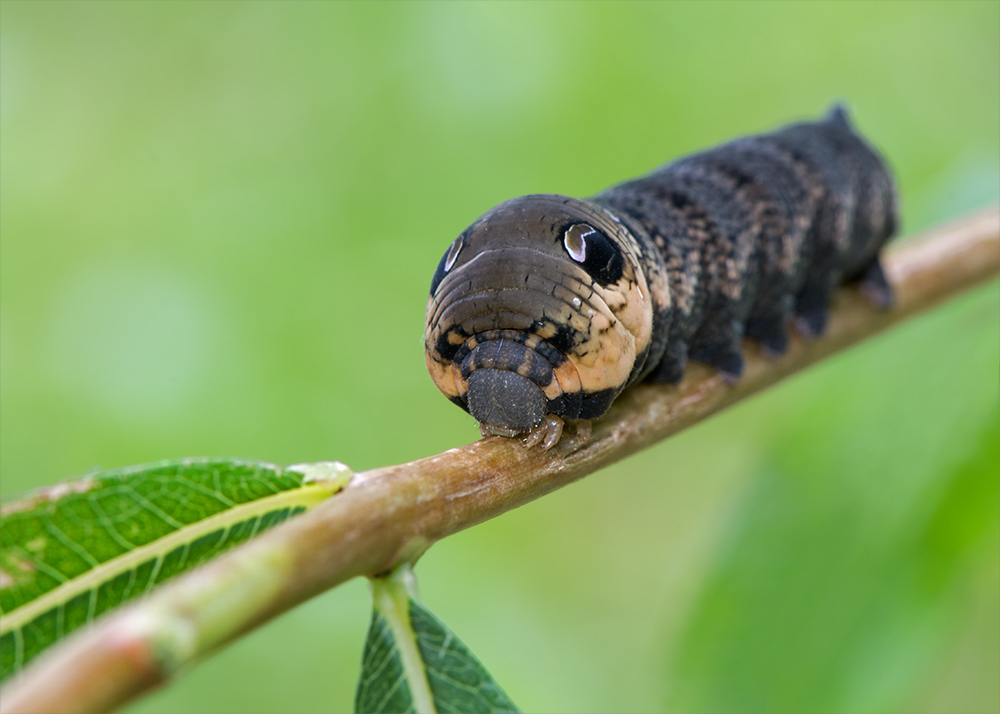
<point>219,224</point>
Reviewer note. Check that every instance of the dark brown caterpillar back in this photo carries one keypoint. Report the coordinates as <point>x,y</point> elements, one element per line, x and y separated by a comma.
<point>550,306</point>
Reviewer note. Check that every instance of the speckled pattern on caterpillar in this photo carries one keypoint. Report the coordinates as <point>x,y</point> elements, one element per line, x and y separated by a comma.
<point>547,307</point>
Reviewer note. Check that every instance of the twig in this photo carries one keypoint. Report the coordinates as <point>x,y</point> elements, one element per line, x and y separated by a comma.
<point>389,515</point>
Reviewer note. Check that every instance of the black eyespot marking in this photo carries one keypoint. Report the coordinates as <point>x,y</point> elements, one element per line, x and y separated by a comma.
<point>438,274</point>
<point>742,241</point>
<point>598,254</point>
<point>447,262</point>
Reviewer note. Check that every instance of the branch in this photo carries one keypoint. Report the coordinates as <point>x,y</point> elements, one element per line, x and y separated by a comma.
<point>391,515</point>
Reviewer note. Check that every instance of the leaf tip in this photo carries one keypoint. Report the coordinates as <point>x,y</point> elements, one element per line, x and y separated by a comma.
<point>334,474</point>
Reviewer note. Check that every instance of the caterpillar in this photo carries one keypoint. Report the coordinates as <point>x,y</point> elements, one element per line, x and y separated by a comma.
<point>546,307</point>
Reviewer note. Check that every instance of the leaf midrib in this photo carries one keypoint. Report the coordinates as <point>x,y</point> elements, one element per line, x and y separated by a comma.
<point>307,496</point>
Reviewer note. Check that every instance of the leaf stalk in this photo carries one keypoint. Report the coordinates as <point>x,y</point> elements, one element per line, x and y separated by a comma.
<point>391,596</point>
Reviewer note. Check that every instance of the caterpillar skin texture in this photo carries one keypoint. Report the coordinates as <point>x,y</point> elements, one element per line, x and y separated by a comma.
<point>547,307</point>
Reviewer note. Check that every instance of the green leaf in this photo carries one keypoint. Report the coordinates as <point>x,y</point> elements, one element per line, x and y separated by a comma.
<point>414,663</point>
<point>73,551</point>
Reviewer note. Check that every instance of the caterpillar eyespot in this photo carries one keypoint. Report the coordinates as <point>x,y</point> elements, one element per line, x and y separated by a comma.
<point>452,255</point>
<point>576,242</point>
<point>558,304</point>
<point>600,257</point>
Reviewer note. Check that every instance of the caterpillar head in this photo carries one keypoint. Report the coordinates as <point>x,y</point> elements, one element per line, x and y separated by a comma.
<point>539,307</point>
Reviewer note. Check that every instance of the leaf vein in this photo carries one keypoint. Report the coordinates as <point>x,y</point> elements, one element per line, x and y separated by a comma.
<point>58,533</point>
<point>110,526</point>
<point>149,506</point>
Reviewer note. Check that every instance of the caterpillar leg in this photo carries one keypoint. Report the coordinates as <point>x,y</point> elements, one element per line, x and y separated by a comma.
<point>547,433</point>
<point>717,343</point>
<point>811,310</point>
<point>770,334</point>
<point>875,286</point>
<point>768,325</point>
<point>671,367</point>
<point>724,356</point>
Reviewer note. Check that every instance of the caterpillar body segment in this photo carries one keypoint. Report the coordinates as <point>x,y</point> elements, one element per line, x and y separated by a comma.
<point>547,307</point>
